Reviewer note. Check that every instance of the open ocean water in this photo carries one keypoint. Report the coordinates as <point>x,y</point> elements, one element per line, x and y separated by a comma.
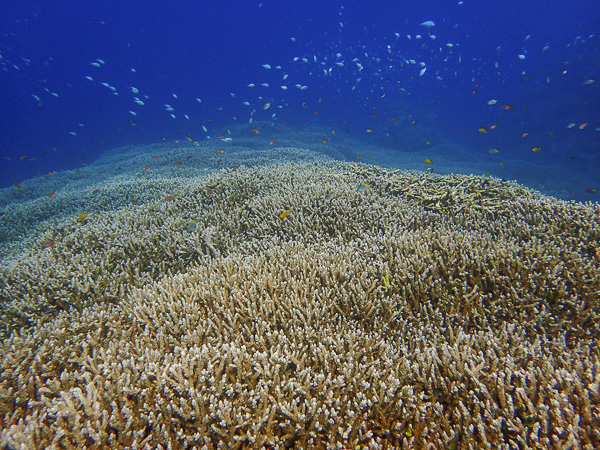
<point>508,89</point>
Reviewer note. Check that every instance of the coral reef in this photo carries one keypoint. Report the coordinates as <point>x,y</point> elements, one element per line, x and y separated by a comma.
<point>417,311</point>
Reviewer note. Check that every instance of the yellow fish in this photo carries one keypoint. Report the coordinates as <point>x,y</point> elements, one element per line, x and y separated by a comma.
<point>284,214</point>
<point>482,130</point>
<point>369,130</point>
<point>536,149</point>
<point>324,141</point>
<point>428,161</point>
<point>81,217</point>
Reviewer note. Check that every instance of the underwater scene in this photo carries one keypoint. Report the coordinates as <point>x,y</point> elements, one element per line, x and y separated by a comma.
<point>317,224</point>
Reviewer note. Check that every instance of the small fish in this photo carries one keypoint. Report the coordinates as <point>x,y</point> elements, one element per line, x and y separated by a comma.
<point>583,125</point>
<point>525,134</point>
<point>493,151</point>
<point>571,125</point>
<point>177,163</point>
<point>16,184</point>
<point>591,190</point>
<point>188,138</point>
<point>266,106</point>
<point>95,64</point>
<point>255,130</point>
<point>588,82</point>
<point>284,214</point>
<point>49,244</point>
<point>324,141</point>
<point>80,217</point>
<point>363,187</point>
<point>507,107</point>
<point>428,161</point>
<point>428,24</point>
<point>369,130</point>
<point>169,198</point>
<point>536,149</point>
<point>271,142</point>
<point>493,127</point>
<point>52,194</point>
<point>482,130</point>
<point>147,169</point>
<point>95,191</point>
<point>492,102</point>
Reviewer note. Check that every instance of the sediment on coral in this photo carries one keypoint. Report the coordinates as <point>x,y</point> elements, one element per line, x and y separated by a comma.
<point>417,311</point>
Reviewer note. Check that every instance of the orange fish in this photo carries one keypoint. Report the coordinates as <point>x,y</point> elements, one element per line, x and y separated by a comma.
<point>147,169</point>
<point>507,107</point>
<point>170,197</point>
<point>22,157</point>
<point>525,134</point>
<point>48,244</point>
<point>255,130</point>
<point>188,138</point>
<point>16,184</point>
<point>49,174</point>
<point>95,191</point>
<point>373,115</point>
<point>493,127</point>
<point>271,142</point>
<point>177,163</point>
<point>52,194</point>
<point>583,125</point>
<point>156,157</point>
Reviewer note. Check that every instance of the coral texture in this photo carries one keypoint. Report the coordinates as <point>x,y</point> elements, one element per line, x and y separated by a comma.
<point>387,309</point>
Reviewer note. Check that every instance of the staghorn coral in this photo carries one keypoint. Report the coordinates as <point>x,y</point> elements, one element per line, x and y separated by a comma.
<point>362,318</point>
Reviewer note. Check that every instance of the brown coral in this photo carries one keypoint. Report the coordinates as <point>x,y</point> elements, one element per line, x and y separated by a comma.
<point>362,318</point>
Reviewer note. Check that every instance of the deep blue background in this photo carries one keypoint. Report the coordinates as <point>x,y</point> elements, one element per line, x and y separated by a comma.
<point>212,49</point>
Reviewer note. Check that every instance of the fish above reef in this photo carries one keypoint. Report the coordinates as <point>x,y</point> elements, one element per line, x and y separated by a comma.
<point>428,24</point>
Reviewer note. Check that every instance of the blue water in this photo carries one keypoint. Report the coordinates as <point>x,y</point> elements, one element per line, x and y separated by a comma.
<point>362,72</point>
